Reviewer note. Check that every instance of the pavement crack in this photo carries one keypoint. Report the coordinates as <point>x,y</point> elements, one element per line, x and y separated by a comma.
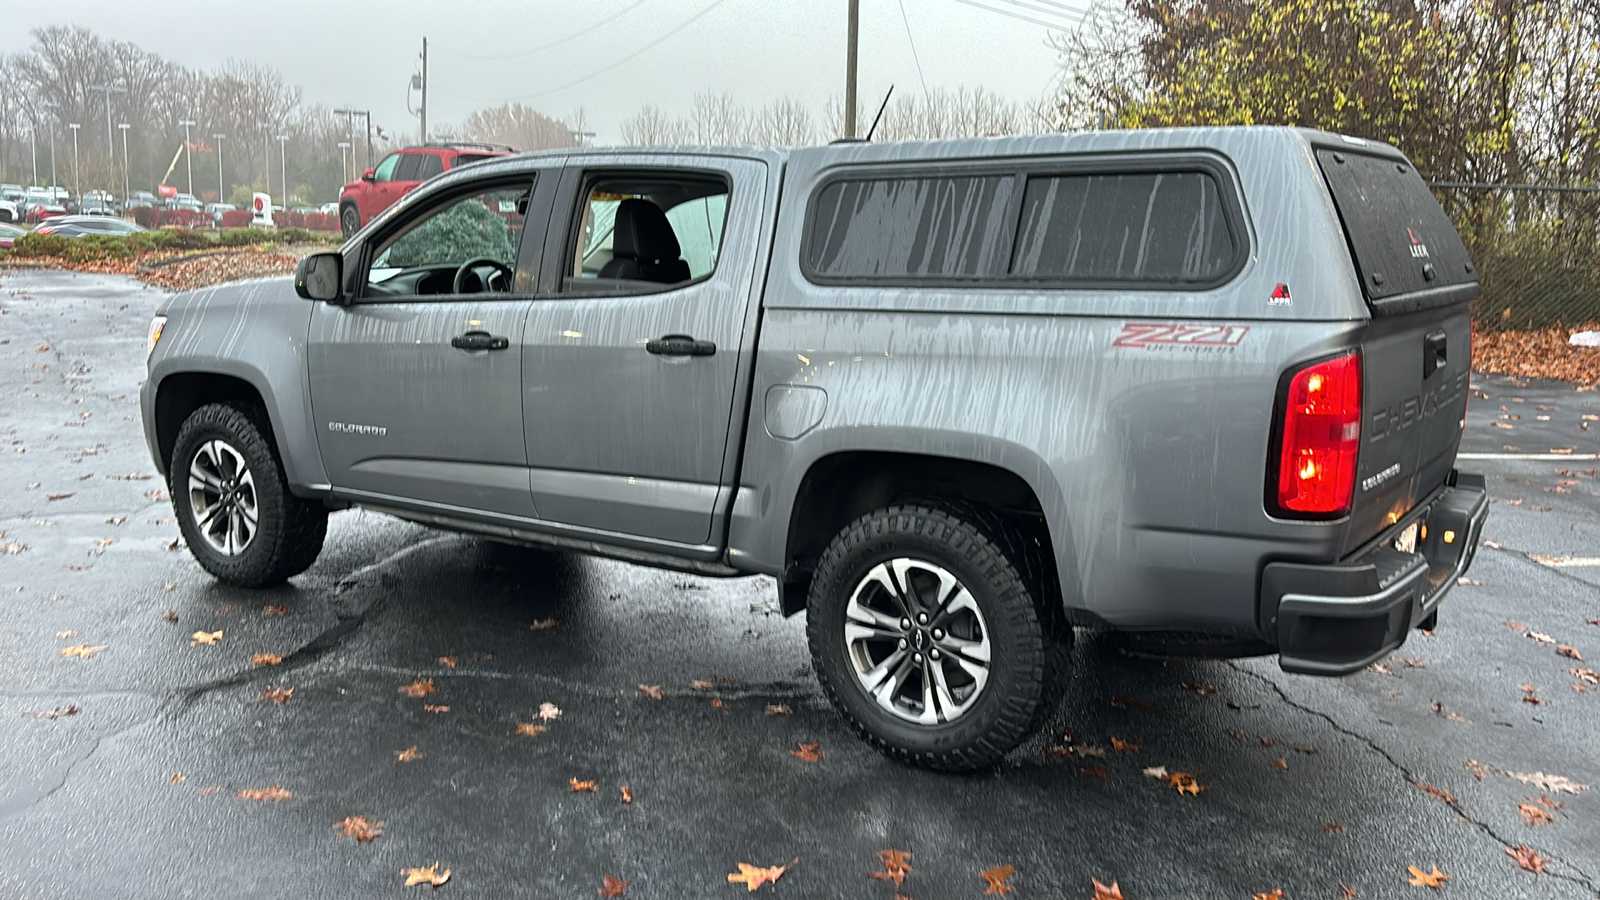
<point>63,773</point>
<point>1579,879</point>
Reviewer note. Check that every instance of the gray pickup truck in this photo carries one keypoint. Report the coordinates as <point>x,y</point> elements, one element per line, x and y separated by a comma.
<point>957,397</point>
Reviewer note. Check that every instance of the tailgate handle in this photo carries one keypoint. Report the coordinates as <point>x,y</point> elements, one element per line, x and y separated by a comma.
<point>1435,353</point>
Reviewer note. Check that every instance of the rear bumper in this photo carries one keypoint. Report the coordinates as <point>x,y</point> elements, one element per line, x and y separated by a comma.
<point>1340,618</point>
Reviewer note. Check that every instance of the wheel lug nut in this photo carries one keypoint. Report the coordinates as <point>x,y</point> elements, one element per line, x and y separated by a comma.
<point>933,654</point>
<point>938,634</point>
<point>905,623</point>
<point>903,644</point>
<point>922,618</point>
<point>916,657</point>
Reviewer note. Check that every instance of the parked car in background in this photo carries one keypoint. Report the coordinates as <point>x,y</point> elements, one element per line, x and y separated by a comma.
<point>12,192</point>
<point>9,233</point>
<point>186,201</point>
<point>78,226</point>
<point>141,200</point>
<point>399,172</point>
<point>99,203</point>
<point>42,204</point>
<point>217,209</point>
<point>329,209</point>
<point>10,211</point>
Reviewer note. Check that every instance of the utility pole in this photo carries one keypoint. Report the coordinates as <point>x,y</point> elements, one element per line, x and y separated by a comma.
<point>424,90</point>
<point>123,126</point>
<point>853,32</point>
<point>188,155</point>
<point>283,166</point>
<point>108,90</point>
<point>33,148</point>
<point>344,161</point>
<point>222,192</point>
<point>77,185</point>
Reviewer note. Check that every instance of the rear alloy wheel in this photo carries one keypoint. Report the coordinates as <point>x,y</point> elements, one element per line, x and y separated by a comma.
<point>928,640</point>
<point>233,502</point>
<point>349,220</point>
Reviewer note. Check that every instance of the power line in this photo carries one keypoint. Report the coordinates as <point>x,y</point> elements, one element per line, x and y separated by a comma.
<point>1056,26</point>
<point>626,59</point>
<point>558,42</point>
<point>913,42</point>
<point>1052,7</point>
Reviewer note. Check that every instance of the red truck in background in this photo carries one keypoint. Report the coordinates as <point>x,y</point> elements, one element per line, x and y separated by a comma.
<point>402,170</point>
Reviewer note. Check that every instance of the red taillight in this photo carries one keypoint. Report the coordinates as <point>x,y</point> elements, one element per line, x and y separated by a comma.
<point>1321,435</point>
<point>43,229</point>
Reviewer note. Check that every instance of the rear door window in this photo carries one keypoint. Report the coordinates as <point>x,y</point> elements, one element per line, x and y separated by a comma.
<point>406,169</point>
<point>911,227</point>
<point>1122,227</point>
<point>1402,240</point>
<point>430,166</point>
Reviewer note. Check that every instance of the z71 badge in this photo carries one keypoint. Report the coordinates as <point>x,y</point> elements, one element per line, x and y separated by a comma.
<point>1168,336</point>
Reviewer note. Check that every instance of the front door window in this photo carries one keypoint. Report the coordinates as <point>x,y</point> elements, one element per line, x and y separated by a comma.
<point>466,246</point>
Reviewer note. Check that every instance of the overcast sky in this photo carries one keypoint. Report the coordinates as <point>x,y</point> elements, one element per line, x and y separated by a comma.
<point>486,52</point>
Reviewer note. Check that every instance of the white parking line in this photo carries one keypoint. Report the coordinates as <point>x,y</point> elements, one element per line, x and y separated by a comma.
<point>1588,457</point>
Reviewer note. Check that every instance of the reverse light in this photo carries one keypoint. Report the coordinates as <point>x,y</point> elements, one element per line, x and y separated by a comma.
<point>157,324</point>
<point>1321,435</point>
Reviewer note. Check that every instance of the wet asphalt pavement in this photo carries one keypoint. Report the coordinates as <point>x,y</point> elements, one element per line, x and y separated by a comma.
<point>1312,783</point>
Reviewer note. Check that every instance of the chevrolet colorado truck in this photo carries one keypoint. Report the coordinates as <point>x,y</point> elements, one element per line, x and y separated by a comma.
<point>957,398</point>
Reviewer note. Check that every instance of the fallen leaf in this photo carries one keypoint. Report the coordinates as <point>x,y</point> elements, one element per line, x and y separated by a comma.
<point>1123,746</point>
<point>777,709</point>
<point>1514,626</point>
<point>1348,892</point>
<point>13,548</point>
<point>753,877</point>
<point>1527,858</point>
<point>177,778</point>
<point>652,691</point>
<point>1553,783</point>
<point>1476,768</point>
<point>548,712</point>
<point>1541,637</point>
<point>447,661</point>
<point>428,707</point>
<point>1439,792</point>
<point>1572,652</point>
<point>1492,545</point>
<point>612,886</point>
<point>1274,894</point>
<point>1102,892</point>
<point>996,878</point>
<point>1089,750</point>
<point>1545,801</point>
<point>1414,663</point>
<point>275,793</point>
<point>1534,814</point>
<point>57,713</point>
<point>418,688</point>
<point>83,651</point>
<point>277,694</point>
<point>1380,668</point>
<point>204,637</point>
<point>1281,764</point>
<point>265,659</point>
<point>582,785</point>
<point>627,794</point>
<point>700,684</point>
<point>1432,879</point>
<point>210,790</point>
<point>542,624</point>
<point>529,729</point>
<point>430,875</point>
<point>808,753</point>
<point>716,703</point>
<point>1333,827</point>
<point>1587,676</point>
<point>408,754</point>
<point>1128,703</point>
<point>1185,784</point>
<point>58,496</point>
<point>360,828</point>
<point>1155,772</point>
<point>1199,688</point>
<point>1264,740</point>
<point>274,610</point>
<point>895,866</point>
<point>1096,771</point>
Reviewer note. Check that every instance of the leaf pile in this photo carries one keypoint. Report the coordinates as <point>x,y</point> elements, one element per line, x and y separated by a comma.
<point>1535,354</point>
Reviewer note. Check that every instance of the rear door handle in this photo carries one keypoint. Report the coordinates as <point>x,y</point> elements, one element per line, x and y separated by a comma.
<point>479,340</point>
<point>680,345</point>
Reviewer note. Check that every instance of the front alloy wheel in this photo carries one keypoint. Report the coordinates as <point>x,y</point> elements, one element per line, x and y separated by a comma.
<point>917,641</point>
<point>222,498</point>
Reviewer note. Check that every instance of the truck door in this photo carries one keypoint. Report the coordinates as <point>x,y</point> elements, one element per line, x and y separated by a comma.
<point>630,361</point>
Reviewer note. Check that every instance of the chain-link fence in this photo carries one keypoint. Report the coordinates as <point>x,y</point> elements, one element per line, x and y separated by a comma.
<point>1537,249</point>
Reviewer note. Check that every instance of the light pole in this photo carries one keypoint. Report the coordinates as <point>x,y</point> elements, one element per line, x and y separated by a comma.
<point>108,90</point>
<point>365,114</point>
<point>266,156</point>
<point>123,127</point>
<point>222,196</point>
<point>188,155</point>
<point>76,185</point>
<point>52,158</point>
<point>33,147</point>
<point>283,166</point>
<point>344,161</point>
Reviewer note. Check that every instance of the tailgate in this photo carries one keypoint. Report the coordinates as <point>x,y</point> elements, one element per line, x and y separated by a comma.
<point>1417,349</point>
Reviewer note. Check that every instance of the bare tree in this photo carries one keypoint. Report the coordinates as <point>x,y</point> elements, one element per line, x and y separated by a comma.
<point>716,118</point>
<point>784,122</point>
<point>652,127</point>
<point>522,127</point>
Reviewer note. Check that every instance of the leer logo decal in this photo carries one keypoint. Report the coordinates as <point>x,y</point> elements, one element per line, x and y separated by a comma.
<point>1418,248</point>
<point>1169,336</point>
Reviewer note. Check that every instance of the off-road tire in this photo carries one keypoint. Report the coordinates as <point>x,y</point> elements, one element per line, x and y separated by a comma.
<point>290,530</point>
<point>1028,653</point>
<point>349,220</point>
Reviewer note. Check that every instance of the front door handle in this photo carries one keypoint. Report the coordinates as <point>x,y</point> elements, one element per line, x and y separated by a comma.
<point>479,340</point>
<point>680,345</point>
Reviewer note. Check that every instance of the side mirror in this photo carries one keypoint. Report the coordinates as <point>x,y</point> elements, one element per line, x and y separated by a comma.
<point>367,175</point>
<point>318,276</point>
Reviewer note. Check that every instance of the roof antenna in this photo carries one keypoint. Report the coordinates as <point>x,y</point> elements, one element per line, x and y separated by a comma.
<point>879,117</point>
